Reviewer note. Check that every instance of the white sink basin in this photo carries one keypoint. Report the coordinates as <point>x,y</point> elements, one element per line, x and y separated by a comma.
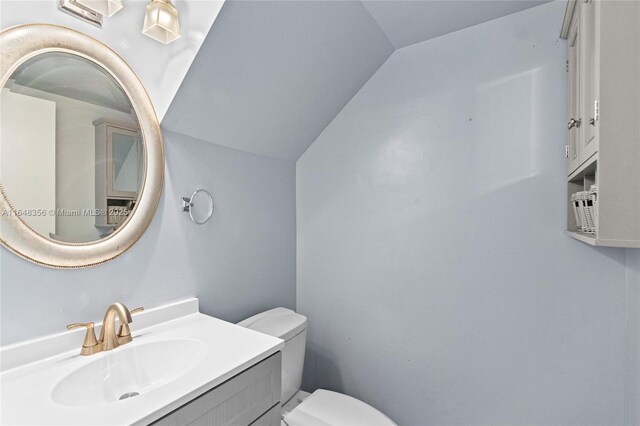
<point>176,355</point>
<point>128,372</point>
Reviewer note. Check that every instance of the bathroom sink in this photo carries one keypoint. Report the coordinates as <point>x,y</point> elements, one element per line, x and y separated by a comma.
<point>128,372</point>
<point>177,354</point>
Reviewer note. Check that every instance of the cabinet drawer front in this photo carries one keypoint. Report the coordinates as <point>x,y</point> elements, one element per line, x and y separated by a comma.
<point>240,400</point>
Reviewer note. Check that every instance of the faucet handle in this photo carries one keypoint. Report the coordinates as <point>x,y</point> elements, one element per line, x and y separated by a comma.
<point>90,345</point>
<point>124,333</point>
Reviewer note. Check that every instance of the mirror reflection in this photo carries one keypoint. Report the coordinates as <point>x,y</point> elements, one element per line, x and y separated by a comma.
<point>71,153</point>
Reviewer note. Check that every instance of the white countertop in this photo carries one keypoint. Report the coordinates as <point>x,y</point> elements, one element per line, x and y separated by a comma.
<point>26,388</point>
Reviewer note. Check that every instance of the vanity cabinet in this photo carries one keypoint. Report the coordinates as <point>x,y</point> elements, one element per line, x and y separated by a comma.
<point>249,398</point>
<point>603,141</point>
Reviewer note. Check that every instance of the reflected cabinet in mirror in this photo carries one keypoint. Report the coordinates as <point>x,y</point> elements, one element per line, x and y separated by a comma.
<point>81,158</point>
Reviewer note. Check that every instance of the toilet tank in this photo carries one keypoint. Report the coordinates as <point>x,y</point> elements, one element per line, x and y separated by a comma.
<point>292,328</point>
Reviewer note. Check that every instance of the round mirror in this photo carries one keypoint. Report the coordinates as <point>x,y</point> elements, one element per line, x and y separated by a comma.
<point>81,159</point>
<point>71,156</point>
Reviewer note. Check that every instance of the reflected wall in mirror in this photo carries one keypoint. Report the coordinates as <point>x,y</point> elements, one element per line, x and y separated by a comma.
<point>71,157</point>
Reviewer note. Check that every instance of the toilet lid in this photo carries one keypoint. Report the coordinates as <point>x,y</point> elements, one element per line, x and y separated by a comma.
<point>324,407</point>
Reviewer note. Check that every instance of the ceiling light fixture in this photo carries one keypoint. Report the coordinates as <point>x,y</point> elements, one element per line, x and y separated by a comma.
<point>103,7</point>
<point>161,21</point>
<point>76,10</point>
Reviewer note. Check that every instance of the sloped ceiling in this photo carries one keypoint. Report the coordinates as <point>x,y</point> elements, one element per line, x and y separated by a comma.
<point>409,22</point>
<point>271,75</point>
<point>160,67</point>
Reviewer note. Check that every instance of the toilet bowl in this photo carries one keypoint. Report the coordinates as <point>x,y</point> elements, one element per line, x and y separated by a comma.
<point>322,407</point>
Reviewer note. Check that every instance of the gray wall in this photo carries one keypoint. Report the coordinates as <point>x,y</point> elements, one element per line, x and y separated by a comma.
<point>238,264</point>
<point>432,262</point>
<point>633,337</point>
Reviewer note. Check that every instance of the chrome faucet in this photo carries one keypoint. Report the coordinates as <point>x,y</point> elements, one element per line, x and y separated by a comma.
<point>109,339</point>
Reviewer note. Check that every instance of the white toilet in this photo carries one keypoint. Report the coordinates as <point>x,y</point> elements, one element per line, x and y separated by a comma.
<point>299,408</point>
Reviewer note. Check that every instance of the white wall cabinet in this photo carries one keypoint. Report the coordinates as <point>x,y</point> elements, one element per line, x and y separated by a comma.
<point>574,68</point>
<point>588,139</point>
<point>604,117</point>
<point>582,79</point>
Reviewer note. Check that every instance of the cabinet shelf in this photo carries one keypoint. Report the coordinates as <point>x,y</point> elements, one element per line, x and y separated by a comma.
<point>588,168</point>
<point>598,242</point>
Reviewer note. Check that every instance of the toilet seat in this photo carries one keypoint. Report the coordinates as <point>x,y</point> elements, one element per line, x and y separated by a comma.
<point>325,407</point>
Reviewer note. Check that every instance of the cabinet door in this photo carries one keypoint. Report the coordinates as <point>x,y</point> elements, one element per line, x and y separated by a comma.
<point>575,121</point>
<point>241,400</point>
<point>589,141</point>
<point>125,163</point>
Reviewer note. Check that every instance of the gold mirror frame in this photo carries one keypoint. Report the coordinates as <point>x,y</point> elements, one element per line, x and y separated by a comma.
<point>22,42</point>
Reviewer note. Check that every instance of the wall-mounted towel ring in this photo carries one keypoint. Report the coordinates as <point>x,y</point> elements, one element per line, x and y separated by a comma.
<point>199,206</point>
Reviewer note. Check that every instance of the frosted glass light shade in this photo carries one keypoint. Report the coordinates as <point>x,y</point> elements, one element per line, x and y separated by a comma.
<point>104,7</point>
<point>161,21</point>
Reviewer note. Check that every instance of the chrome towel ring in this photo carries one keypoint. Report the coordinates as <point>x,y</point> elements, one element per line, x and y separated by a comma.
<point>194,206</point>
